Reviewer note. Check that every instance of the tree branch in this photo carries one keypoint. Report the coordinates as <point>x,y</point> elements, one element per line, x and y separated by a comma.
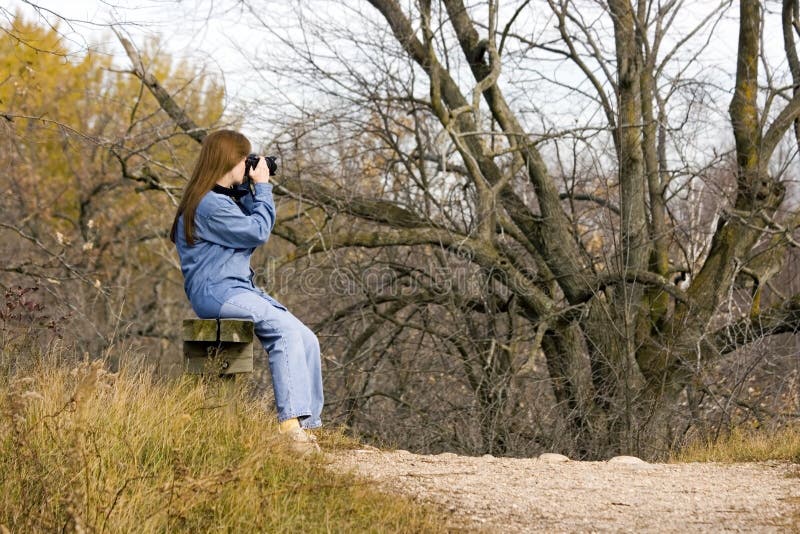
<point>781,319</point>
<point>641,277</point>
<point>164,99</point>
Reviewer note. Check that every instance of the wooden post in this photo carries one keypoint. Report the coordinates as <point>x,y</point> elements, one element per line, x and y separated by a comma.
<point>221,348</point>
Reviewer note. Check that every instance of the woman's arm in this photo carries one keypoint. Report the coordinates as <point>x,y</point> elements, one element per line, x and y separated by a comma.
<point>247,200</point>
<point>258,175</point>
<point>228,226</point>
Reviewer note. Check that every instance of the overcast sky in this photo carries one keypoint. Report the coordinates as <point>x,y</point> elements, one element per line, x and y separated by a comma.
<point>202,31</point>
<point>213,33</point>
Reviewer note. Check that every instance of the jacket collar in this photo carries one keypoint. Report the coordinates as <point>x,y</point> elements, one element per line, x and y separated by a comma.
<point>232,192</point>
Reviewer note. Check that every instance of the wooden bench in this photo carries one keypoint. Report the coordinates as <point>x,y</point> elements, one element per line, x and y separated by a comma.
<point>221,348</point>
<point>218,346</point>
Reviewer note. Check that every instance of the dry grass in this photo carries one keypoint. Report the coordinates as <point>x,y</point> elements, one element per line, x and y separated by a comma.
<point>82,449</point>
<point>745,446</point>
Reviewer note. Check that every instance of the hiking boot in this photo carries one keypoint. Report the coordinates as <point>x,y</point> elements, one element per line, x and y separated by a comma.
<point>300,442</point>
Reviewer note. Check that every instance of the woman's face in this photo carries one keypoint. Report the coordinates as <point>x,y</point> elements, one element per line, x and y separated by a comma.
<point>237,173</point>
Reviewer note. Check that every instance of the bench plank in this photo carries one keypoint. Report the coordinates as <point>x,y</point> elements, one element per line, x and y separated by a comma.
<point>205,353</point>
<point>238,330</point>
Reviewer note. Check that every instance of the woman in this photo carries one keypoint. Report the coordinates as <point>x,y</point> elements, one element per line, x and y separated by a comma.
<point>219,224</point>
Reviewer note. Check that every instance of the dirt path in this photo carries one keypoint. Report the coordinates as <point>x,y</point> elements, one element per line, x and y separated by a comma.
<point>549,495</point>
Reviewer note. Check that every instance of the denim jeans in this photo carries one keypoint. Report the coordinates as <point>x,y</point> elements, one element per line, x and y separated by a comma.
<point>293,355</point>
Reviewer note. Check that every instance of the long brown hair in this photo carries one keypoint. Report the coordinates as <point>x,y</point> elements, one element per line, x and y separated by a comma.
<point>220,153</point>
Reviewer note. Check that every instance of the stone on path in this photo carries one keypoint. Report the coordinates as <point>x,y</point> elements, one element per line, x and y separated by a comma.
<point>626,460</point>
<point>630,461</point>
<point>553,458</point>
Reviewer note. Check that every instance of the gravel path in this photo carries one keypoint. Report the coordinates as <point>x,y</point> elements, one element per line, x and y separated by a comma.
<point>552,495</point>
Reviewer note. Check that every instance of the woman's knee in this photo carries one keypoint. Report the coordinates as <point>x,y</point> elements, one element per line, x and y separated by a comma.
<point>310,339</point>
<point>294,331</point>
<point>287,328</point>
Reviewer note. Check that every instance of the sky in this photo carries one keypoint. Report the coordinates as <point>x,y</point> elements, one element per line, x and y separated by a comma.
<point>200,31</point>
<point>192,30</point>
<point>214,33</point>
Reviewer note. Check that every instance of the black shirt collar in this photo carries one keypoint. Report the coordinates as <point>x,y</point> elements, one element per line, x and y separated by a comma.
<point>232,192</point>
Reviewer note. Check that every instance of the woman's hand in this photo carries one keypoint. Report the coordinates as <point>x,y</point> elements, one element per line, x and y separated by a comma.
<point>260,174</point>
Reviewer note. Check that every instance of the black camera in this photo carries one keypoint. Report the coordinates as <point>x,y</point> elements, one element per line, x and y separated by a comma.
<point>252,161</point>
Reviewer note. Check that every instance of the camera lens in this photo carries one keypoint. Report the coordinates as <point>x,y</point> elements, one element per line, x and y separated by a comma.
<point>272,163</point>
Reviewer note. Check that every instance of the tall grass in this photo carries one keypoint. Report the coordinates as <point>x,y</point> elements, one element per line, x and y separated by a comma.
<point>740,445</point>
<point>83,449</point>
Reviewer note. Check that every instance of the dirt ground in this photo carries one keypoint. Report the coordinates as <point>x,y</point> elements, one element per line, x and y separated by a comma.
<point>549,494</point>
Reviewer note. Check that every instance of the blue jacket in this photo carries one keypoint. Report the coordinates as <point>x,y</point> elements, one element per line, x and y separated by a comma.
<point>225,235</point>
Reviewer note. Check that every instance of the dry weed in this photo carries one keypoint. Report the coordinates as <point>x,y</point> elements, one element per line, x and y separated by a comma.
<point>86,450</point>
